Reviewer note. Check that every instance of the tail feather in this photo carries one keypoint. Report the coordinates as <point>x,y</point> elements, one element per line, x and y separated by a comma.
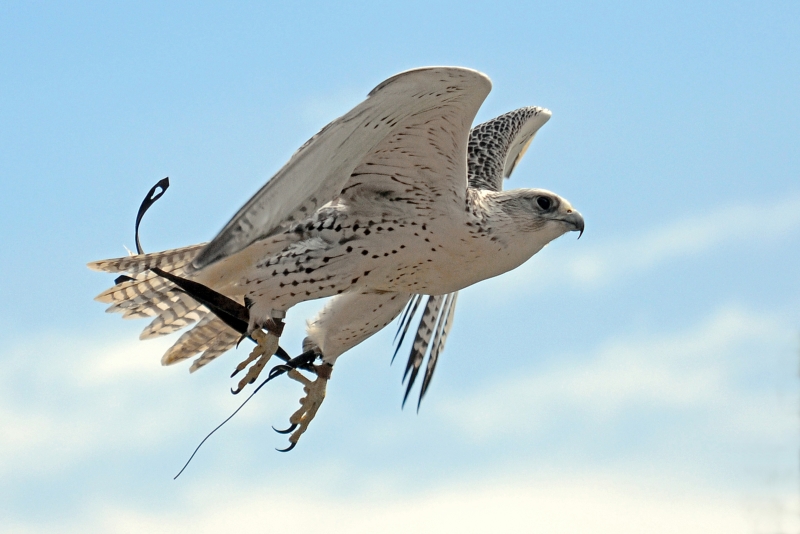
<point>151,304</point>
<point>137,290</point>
<point>210,338</point>
<point>183,312</point>
<point>150,295</point>
<point>168,260</point>
<point>222,343</point>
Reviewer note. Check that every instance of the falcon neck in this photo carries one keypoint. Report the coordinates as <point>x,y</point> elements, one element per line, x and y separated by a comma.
<point>503,235</point>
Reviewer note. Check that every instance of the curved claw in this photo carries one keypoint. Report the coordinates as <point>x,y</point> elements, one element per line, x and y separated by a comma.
<point>287,431</point>
<point>287,449</point>
<point>235,391</point>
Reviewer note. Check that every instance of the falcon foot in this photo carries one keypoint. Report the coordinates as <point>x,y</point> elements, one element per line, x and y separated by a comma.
<point>266,346</point>
<point>315,394</point>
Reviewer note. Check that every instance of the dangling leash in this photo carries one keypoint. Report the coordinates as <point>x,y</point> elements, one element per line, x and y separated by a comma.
<point>148,201</point>
<point>233,314</point>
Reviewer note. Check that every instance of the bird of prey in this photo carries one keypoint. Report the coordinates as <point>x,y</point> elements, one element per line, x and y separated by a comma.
<point>397,205</point>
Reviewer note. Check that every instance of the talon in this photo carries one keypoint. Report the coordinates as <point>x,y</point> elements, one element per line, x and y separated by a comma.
<point>253,355</point>
<point>287,431</point>
<point>266,346</point>
<point>287,449</point>
<point>309,404</point>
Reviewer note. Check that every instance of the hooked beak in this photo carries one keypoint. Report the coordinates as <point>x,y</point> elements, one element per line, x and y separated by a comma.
<point>575,219</point>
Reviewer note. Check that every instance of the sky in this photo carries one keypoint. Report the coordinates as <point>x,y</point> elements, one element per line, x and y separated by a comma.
<point>641,379</point>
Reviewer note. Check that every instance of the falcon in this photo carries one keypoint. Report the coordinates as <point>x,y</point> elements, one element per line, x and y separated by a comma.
<point>391,208</point>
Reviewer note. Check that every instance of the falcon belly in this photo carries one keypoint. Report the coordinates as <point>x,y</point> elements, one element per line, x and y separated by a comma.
<point>394,201</point>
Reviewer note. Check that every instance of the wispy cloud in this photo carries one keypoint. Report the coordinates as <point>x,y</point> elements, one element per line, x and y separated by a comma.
<point>45,402</point>
<point>611,261</point>
<point>96,397</point>
<point>699,370</point>
<point>541,501</point>
<point>116,396</point>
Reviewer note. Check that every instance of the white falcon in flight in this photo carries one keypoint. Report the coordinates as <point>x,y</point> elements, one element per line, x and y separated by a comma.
<point>395,202</point>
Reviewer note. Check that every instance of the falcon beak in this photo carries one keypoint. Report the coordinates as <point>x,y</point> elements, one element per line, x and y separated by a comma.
<point>575,219</point>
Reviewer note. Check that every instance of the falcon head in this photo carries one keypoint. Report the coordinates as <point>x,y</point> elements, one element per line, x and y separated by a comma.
<point>541,211</point>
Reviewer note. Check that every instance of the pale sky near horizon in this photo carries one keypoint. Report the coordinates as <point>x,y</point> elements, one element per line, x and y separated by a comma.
<point>641,379</point>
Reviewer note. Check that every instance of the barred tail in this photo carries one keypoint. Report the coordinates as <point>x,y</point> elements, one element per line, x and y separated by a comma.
<point>141,293</point>
<point>169,260</point>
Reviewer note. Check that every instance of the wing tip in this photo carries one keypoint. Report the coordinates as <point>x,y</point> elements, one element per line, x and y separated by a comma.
<point>542,116</point>
<point>479,76</point>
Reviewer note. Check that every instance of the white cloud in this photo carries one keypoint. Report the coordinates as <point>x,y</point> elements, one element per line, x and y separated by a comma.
<point>117,395</point>
<point>526,502</point>
<point>694,370</point>
<point>43,402</point>
<point>610,261</point>
<point>64,400</point>
<point>93,397</point>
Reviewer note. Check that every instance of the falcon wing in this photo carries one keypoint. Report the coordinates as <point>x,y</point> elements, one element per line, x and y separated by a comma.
<point>434,326</point>
<point>421,166</point>
<point>320,169</point>
<point>496,146</point>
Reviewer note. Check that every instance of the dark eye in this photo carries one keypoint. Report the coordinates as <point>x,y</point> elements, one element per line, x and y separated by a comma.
<point>544,203</point>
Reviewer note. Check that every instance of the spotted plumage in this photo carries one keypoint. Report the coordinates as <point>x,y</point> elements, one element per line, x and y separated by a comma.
<point>394,201</point>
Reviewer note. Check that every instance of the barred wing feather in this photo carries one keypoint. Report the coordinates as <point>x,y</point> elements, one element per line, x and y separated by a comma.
<point>434,326</point>
<point>496,146</point>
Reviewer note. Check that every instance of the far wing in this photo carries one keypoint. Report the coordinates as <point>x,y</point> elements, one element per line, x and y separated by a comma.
<point>496,146</point>
<point>434,326</point>
<point>319,170</point>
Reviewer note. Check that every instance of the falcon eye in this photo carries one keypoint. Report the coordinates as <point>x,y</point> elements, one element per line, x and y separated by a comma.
<point>544,203</point>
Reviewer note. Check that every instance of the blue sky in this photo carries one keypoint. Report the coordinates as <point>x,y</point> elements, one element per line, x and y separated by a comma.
<point>643,378</point>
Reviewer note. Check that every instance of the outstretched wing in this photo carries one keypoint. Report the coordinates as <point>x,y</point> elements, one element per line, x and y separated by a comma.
<point>321,168</point>
<point>421,167</point>
<point>496,146</point>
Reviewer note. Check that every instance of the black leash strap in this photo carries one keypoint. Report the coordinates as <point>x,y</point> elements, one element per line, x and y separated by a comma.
<point>274,373</point>
<point>148,201</point>
<point>303,361</point>
<point>228,310</point>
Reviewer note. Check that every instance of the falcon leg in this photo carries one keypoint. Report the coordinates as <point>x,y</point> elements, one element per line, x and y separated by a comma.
<point>309,404</point>
<point>266,346</point>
